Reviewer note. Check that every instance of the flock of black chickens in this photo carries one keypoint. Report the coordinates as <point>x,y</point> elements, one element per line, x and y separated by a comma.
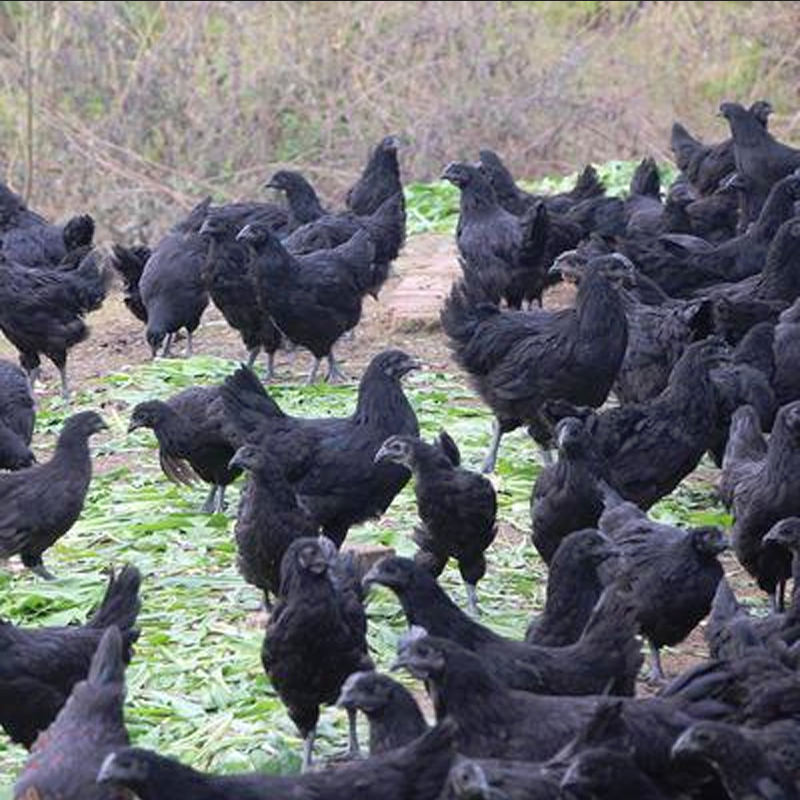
<point>687,311</point>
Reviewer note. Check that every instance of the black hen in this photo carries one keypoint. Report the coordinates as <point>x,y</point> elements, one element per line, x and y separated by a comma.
<point>45,245</point>
<point>314,299</point>
<point>674,573</point>
<point>301,197</point>
<point>495,722</point>
<point>746,381</point>
<point>17,417</point>
<point>605,658</point>
<point>457,508</point>
<point>501,253</point>
<point>415,772</point>
<point>580,569</point>
<point>394,717</point>
<point>40,666</point>
<point>650,448</point>
<point>760,158</point>
<point>386,228</point>
<point>379,181</point>
<point>233,290</point>
<point>317,635</point>
<point>330,462</point>
<point>66,758</point>
<point>786,353</point>
<point>41,503</point>
<point>520,360</point>
<point>172,289</point>
<point>42,311</point>
<point>567,495</point>
<point>747,768</point>
<point>268,521</point>
<point>191,440</point>
<point>706,166</point>
<point>766,491</point>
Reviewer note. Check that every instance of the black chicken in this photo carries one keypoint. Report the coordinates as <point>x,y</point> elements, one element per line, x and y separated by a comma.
<point>330,462</point>
<point>317,635</point>
<point>191,441</point>
<point>233,290</point>
<point>40,666</point>
<point>314,299</point>
<point>567,495</point>
<point>379,181</point>
<point>747,768</point>
<point>786,353</point>
<point>66,758</point>
<point>386,228</point>
<point>17,417</point>
<point>394,717</point>
<point>457,508</point>
<point>495,722</point>
<point>173,291</point>
<point>765,492</point>
<point>650,448</point>
<point>41,503</point>
<point>42,311</point>
<point>760,158</point>
<point>581,568</point>
<point>501,253</point>
<point>301,197</point>
<point>415,772</point>
<point>268,521</point>
<point>520,360</point>
<point>706,166</point>
<point>606,658</point>
<point>674,573</point>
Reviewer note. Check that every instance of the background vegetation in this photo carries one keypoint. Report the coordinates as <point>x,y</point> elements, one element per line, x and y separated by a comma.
<point>131,108</point>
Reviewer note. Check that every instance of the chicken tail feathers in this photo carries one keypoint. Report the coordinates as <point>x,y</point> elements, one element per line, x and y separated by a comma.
<point>646,181</point>
<point>246,405</point>
<point>588,185</point>
<point>108,665</point>
<point>121,603</point>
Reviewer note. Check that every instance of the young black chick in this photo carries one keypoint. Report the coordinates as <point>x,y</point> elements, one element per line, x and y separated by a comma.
<point>458,508</point>
<point>66,758</point>
<point>394,717</point>
<point>191,443</point>
<point>41,503</point>
<point>316,635</point>
<point>747,770</point>
<point>269,519</point>
<point>675,573</point>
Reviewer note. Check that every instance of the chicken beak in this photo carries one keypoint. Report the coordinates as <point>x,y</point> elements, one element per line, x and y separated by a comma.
<point>134,425</point>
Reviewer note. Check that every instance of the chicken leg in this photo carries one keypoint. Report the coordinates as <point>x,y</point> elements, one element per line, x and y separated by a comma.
<point>308,750</point>
<point>252,355</point>
<point>335,375</point>
<point>491,457</point>
<point>656,674</point>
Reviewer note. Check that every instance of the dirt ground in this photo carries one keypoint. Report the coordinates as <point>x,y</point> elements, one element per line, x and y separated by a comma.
<point>406,316</point>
